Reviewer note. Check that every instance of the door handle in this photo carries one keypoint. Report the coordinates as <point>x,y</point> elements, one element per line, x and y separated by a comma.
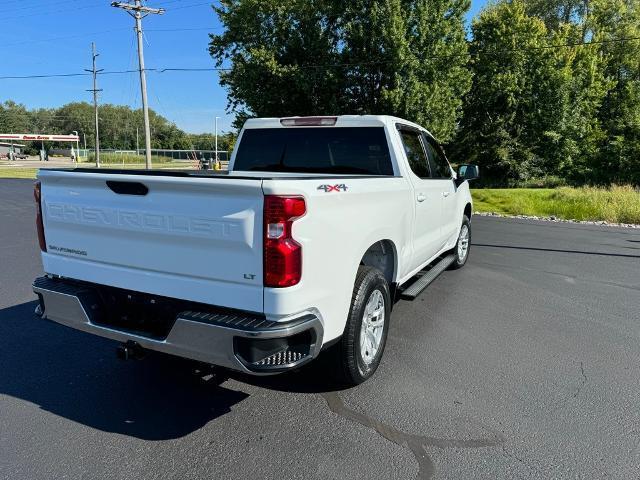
<point>421,197</point>
<point>446,194</point>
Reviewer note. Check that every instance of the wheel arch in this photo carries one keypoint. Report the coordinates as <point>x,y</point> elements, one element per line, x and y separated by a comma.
<point>382,255</point>
<point>467,210</point>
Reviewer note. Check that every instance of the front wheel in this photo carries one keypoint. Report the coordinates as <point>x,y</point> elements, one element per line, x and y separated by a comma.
<point>461,250</point>
<point>360,350</point>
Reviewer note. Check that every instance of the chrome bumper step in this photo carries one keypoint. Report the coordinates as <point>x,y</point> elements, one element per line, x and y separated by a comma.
<point>218,338</point>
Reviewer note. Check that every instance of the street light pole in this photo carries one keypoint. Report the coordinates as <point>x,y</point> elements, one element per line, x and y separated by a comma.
<point>75,132</point>
<point>216,134</point>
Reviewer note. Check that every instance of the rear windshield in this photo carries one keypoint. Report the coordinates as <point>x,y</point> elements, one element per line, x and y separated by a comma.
<point>356,150</point>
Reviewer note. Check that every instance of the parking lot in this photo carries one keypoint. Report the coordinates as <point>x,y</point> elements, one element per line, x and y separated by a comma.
<point>524,364</point>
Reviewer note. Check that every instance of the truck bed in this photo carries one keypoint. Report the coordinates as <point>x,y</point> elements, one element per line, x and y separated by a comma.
<point>213,174</point>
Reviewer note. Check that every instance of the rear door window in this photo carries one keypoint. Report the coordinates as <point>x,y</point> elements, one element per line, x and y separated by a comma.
<point>415,152</point>
<point>341,150</point>
<point>438,163</point>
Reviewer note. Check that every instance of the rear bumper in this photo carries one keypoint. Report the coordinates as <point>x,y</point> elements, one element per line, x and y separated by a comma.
<point>240,341</point>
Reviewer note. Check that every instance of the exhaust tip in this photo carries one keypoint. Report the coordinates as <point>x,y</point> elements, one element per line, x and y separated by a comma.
<point>39,310</point>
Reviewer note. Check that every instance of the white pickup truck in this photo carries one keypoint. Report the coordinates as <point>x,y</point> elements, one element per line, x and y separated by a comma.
<point>304,245</point>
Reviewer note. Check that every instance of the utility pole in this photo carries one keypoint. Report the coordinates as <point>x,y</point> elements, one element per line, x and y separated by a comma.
<point>138,12</point>
<point>95,91</point>
<point>137,146</point>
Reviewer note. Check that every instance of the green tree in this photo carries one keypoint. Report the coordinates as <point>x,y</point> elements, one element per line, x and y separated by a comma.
<point>206,141</point>
<point>399,57</point>
<point>619,156</point>
<point>274,49</point>
<point>533,107</point>
<point>118,125</point>
<point>556,13</point>
<point>580,138</point>
<point>511,113</point>
<point>581,132</point>
<point>13,117</point>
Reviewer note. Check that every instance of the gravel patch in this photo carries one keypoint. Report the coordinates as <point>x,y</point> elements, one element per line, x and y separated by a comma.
<point>559,220</point>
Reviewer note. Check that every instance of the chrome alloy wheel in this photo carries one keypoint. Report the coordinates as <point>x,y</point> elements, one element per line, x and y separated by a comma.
<point>463,243</point>
<point>372,327</point>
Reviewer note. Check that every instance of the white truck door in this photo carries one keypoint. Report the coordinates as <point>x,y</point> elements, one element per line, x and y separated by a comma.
<point>426,232</point>
<point>442,176</point>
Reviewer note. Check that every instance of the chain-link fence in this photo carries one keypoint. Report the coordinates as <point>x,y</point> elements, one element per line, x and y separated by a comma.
<point>167,158</point>
<point>176,155</point>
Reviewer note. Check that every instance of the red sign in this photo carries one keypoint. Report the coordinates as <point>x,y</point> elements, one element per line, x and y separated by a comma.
<point>38,136</point>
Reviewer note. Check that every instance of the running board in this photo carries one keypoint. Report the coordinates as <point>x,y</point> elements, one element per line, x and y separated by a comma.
<point>429,276</point>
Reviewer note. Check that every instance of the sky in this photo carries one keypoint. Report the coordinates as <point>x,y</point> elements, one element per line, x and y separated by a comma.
<point>40,37</point>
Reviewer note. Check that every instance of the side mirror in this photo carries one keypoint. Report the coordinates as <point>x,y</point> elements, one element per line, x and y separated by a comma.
<point>468,172</point>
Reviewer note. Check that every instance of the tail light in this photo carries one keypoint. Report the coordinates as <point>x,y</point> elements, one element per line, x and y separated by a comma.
<point>37,195</point>
<point>282,254</point>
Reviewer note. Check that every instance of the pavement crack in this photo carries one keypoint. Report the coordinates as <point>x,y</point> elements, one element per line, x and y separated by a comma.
<point>417,444</point>
<point>521,461</point>
<point>582,382</point>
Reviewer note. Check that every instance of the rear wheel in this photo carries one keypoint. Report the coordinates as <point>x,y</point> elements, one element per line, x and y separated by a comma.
<point>461,250</point>
<point>360,349</point>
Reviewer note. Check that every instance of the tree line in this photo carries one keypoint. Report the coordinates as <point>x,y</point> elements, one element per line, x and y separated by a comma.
<point>117,126</point>
<point>536,88</point>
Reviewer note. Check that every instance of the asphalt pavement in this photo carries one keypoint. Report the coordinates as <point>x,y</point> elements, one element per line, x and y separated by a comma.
<point>524,364</point>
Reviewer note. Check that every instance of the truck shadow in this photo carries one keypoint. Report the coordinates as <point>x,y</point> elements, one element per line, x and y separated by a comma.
<point>75,376</point>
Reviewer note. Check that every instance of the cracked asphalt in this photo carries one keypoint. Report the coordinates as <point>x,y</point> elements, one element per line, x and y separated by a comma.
<point>524,364</point>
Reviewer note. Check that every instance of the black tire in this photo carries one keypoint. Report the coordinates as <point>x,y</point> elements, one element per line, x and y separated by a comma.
<point>351,367</point>
<point>459,262</point>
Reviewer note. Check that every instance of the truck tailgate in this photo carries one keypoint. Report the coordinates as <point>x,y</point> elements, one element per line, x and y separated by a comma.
<point>193,238</point>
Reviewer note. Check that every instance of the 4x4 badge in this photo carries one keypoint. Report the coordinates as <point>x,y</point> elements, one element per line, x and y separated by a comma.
<point>333,188</point>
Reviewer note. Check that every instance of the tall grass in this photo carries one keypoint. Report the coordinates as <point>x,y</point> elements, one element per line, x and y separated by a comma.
<point>126,158</point>
<point>619,204</point>
<point>17,172</point>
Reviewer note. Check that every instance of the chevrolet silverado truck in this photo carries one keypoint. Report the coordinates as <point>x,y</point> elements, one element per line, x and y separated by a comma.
<point>319,225</point>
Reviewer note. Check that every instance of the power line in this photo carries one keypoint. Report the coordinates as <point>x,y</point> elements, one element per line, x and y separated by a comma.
<point>41,115</point>
<point>13,8</point>
<point>189,6</point>
<point>110,72</point>
<point>54,4</point>
<point>37,4</point>
<point>28,7</point>
<point>64,10</point>
<point>334,65</point>
<point>66,37</point>
<point>103,32</point>
<point>177,29</point>
<point>128,86</point>
<point>50,75</point>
